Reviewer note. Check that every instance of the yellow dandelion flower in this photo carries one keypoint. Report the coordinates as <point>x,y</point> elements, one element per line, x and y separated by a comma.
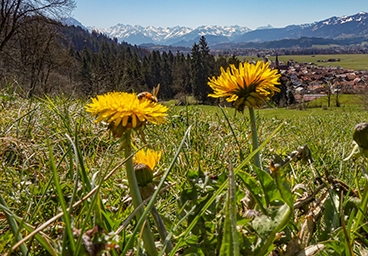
<point>249,85</point>
<point>144,163</point>
<point>125,111</point>
<point>149,158</point>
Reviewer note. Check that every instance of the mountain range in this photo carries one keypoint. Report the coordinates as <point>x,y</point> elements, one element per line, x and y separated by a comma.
<point>331,28</point>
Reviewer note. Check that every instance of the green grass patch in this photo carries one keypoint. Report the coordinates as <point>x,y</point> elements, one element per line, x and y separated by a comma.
<point>350,61</point>
<point>344,101</point>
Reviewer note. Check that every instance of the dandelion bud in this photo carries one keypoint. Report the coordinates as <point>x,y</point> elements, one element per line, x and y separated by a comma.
<point>143,174</point>
<point>360,135</point>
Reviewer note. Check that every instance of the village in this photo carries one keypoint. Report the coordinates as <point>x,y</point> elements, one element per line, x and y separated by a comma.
<point>308,81</point>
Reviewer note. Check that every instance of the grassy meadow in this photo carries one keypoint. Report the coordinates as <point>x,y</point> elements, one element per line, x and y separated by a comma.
<point>304,200</point>
<point>350,61</point>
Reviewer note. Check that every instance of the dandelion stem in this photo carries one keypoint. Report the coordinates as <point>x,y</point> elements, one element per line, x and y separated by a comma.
<point>253,129</point>
<point>149,242</point>
<point>161,229</point>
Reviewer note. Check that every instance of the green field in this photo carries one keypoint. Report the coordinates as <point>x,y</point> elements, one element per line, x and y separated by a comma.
<point>52,155</point>
<point>318,107</point>
<point>350,61</point>
<point>282,113</point>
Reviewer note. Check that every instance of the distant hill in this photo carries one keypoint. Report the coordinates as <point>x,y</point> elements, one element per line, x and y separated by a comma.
<point>302,42</point>
<point>332,28</point>
<point>316,45</point>
<point>79,37</point>
<point>69,21</point>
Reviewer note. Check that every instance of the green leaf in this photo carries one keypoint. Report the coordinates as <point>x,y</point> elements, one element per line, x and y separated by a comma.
<point>267,227</point>
<point>283,187</point>
<point>188,194</point>
<point>336,246</point>
<point>270,190</point>
<point>230,243</point>
<point>331,216</point>
<point>254,189</point>
<point>193,251</point>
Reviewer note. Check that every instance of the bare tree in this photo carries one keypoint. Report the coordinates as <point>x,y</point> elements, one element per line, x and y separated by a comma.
<point>14,13</point>
<point>34,55</point>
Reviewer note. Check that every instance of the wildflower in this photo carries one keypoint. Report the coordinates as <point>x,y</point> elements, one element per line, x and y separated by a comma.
<point>125,111</point>
<point>144,164</point>
<point>250,85</point>
<point>149,158</point>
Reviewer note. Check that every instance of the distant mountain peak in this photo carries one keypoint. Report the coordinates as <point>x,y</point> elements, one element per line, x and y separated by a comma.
<point>264,27</point>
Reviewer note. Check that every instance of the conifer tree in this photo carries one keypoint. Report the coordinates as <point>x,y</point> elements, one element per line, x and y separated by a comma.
<point>145,70</point>
<point>154,70</point>
<point>203,64</point>
<point>166,77</point>
<point>181,76</point>
<point>196,72</point>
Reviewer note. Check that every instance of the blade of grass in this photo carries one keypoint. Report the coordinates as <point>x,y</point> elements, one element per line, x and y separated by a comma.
<point>68,226</point>
<point>230,243</point>
<point>232,131</point>
<point>71,167</point>
<point>13,226</point>
<point>29,228</point>
<point>347,236</point>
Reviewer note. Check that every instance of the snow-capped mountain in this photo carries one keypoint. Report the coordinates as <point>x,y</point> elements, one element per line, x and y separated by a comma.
<point>355,25</point>
<point>264,27</point>
<point>359,17</point>
<point>332,28</point>
<point>138,35</point>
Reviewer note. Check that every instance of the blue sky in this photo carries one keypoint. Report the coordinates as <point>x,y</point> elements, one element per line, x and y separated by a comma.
<point>194,13</point>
